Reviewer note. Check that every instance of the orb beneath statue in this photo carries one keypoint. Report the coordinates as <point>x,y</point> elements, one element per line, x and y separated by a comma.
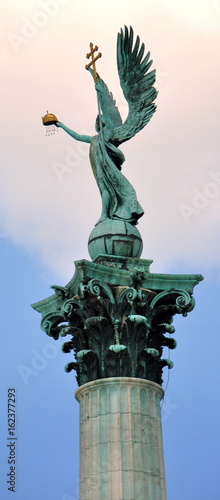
<point>115,237</point>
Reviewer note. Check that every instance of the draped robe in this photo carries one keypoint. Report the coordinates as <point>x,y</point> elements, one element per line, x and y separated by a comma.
<point>118,195</point>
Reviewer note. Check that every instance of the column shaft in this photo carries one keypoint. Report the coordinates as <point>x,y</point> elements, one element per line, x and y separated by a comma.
<point>121,449</point>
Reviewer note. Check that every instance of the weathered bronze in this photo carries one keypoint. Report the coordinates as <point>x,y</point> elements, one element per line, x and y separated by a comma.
<point>117,314</point>
<point>119,200</point>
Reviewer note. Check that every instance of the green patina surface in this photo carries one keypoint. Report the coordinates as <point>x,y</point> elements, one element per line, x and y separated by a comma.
<point>115,237</point>
<point>114,311</point>
<point>119,200</point>
<point>117,315</point>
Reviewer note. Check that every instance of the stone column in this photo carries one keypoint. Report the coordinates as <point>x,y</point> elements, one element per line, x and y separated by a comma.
<point>121,450</point>
<point>116,316</point>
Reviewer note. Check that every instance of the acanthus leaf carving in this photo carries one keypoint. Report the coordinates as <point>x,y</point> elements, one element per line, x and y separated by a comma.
<point>117,330</point>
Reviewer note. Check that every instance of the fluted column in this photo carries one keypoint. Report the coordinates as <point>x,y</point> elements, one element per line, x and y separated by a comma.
<point>121,450</point>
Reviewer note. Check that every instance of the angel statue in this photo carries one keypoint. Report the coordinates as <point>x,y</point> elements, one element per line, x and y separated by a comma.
<point>119,200</point>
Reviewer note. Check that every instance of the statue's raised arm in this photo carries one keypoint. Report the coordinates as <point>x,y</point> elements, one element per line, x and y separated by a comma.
<point>137,83</point>
<point>119,199</point>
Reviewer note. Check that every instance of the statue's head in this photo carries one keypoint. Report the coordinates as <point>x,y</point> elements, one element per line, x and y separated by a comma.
<point>100,122</point>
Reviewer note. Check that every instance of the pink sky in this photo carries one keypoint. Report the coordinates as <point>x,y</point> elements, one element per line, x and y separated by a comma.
<point>49,203</point>
<point>48,198</point>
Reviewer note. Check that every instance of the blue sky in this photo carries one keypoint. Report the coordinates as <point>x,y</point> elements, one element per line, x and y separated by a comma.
<point>49,204</point>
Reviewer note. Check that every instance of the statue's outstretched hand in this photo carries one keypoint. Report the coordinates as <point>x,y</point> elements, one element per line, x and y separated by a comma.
<point>58,124</point>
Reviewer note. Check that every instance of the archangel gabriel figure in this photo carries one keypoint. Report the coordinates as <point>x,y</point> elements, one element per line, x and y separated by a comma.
<point>119,201</point>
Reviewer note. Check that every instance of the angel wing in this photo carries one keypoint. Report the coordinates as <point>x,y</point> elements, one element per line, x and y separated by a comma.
<point>137,85</point>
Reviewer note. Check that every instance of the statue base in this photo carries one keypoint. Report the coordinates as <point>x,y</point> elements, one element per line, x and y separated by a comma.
<point>115,237</point>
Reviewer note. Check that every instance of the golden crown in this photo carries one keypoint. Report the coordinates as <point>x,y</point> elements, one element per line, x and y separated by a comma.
<point>49,119</point>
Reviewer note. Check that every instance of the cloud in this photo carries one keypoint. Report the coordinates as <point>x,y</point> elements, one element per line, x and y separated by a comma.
<point>48,197</point>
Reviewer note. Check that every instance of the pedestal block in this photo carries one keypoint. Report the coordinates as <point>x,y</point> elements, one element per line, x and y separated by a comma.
<point>121,450</point>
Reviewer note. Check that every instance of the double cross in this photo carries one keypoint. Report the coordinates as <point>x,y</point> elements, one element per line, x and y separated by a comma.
<point>93,61</point>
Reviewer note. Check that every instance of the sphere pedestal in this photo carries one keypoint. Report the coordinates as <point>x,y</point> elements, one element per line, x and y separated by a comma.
<point>121,450</point>
<point>115,237</point>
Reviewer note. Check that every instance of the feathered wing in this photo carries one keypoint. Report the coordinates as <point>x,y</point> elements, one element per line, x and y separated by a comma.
<point>137,85</point>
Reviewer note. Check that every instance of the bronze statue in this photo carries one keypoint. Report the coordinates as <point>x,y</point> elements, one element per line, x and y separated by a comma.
<point>119,200</point>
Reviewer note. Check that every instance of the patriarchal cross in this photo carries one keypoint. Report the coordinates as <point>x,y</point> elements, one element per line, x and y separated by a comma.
<point>94,59</point>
